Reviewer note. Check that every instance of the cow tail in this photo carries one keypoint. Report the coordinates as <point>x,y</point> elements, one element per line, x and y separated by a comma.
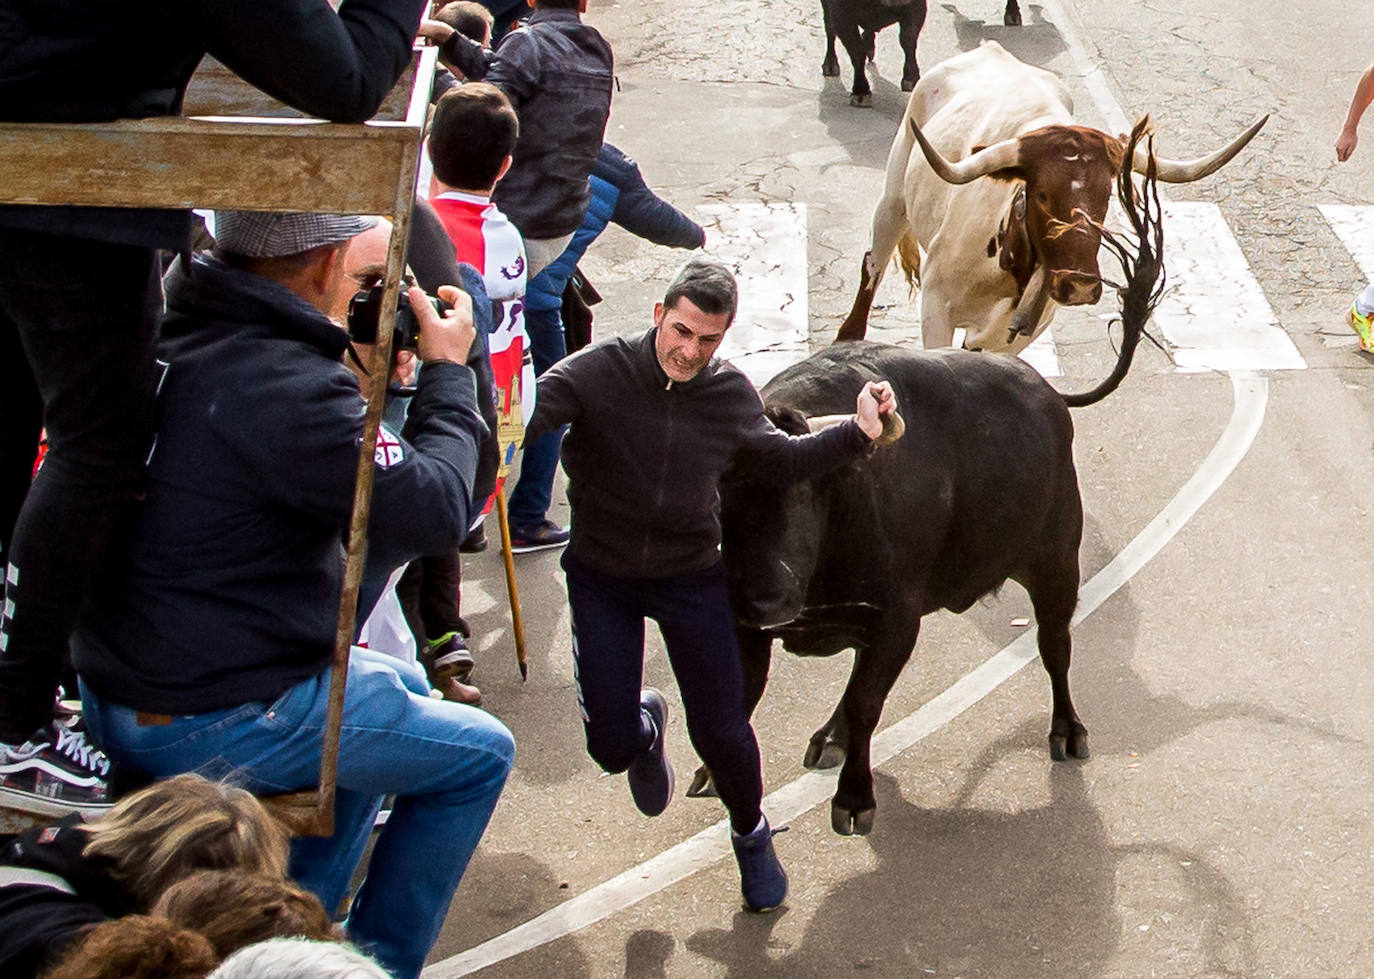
<point>909,259</point>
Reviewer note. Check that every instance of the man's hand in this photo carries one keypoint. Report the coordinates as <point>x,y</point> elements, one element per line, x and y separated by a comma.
<point>435,31</point>
<point>876,401</point>
<point>1345,145</point>
<point>447,338</point>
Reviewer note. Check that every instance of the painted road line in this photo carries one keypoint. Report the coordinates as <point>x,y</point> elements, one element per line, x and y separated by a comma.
<point>1214,313</point>
<point>791,801</point>
<point>1353,224</point>
<point>765,246</point>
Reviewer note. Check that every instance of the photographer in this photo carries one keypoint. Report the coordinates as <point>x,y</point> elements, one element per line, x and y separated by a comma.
<point>210,652</point>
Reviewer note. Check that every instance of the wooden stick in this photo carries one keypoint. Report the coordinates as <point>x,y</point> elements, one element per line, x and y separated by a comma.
<point>508,554</point>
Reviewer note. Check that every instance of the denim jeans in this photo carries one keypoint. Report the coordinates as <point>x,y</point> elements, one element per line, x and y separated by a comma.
<point>529,501</point>
<point>445,763</point>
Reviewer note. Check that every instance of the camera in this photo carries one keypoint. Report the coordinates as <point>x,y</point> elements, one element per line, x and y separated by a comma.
<point>364,313</point>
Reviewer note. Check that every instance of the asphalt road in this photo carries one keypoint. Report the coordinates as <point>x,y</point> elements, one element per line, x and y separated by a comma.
<point>1222,826</point>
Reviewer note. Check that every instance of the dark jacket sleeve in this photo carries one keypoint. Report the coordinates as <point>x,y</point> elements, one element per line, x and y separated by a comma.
<point>639,210</point>
<point>338,66</point>
<point>768,454</point>
<point>469,57</point>
<point>557,403</point>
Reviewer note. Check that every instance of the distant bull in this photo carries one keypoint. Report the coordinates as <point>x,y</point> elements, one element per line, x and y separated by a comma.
<point>995,199</point>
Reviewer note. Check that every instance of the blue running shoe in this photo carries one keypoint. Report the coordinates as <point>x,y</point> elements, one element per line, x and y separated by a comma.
<point>650,774</point>
<point>761,877</point>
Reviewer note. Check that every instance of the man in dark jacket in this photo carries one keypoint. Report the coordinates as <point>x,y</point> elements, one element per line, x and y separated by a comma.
<point>81,295</point>
<point>654,421</point>
<point>210,649</point>
<point>557,73</point>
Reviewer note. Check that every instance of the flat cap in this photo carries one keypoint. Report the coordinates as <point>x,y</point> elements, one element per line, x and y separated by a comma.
<point>270,234</point>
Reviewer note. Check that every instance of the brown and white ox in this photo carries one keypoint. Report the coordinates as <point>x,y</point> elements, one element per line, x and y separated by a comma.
<point>1009,231</point>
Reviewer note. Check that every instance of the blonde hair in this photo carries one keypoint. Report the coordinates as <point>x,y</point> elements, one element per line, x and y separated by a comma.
<point>233,909</point>
<point>160,834</point>
<point>136,947</point>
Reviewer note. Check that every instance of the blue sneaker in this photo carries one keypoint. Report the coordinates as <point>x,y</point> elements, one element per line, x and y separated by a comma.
<point>650,774</point>
<point>761,877</point>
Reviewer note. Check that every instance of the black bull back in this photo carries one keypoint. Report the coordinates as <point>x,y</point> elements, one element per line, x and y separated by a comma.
<point>980,489</point>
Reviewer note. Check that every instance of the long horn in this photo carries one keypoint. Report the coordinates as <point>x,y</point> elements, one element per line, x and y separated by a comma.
<point>893,426</point>
<point>998,156</point>
<point>1185,171</point>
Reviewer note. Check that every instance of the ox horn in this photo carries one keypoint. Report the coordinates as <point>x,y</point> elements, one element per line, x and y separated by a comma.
<point>893,426</point>
<point>998,156</point>
<point>1186,171</point>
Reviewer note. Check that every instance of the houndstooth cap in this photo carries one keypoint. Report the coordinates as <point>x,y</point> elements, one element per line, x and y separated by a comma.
<point>270,234</point>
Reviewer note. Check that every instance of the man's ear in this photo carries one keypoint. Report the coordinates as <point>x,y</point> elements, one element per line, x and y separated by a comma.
<point>505,168</point>
<point>658,313</point>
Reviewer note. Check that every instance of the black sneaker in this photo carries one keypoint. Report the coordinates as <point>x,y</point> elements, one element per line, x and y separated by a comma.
<point>762,880</point>
<point>537,537</point>
<point>55,771</point>
<point>650,774</point>
<point>476,540</point>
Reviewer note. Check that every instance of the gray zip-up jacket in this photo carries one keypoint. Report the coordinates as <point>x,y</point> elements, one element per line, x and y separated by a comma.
<point>644,455</point>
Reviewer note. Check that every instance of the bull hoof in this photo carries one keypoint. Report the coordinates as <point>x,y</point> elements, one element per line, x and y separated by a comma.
<point>830,69</point>
<point>823,754</point>
<point>1063,747</point>
<point>908,84</point>
<point>850,822</point>
<point>864,101</point>
<point>702,786</point>
<point>1012,19</point>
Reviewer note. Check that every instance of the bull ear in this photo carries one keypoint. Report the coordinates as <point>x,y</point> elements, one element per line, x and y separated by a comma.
<point>787,419</point>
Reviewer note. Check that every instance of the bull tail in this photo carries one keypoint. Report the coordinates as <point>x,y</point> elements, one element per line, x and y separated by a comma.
<point>909,260</point>
<point>1143,265</point>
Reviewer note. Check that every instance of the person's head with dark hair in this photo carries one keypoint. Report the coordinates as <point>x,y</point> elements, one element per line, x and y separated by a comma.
<point>468,18</point>
<point>158,835</point>
<point>472,136</point>
<point>233,909</point>
<point>137,947</point>
<point>691,321</point>
<point>579,5</point>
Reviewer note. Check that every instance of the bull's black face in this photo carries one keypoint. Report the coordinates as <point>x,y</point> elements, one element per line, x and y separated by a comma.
<point>770,538</point>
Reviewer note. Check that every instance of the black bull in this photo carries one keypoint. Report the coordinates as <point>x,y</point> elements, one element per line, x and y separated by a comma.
<point>980,489</point>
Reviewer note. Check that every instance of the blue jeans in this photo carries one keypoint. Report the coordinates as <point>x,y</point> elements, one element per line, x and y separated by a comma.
<point>529,500</point>
<point>444,762</point>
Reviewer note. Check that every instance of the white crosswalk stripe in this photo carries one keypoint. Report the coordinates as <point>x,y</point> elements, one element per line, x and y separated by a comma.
<point>1354,226</point>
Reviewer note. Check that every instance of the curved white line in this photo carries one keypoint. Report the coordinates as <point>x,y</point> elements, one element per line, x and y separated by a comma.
<point>1251,392</point>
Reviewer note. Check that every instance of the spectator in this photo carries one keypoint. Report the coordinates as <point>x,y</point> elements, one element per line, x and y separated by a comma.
<point>655,421</point>
<point>557,73</point>
<point>81,296</point>
<point>1360,316</point>
<point>137,947</point>
<point>57,882</point>
<point>471,137</point>
<point>233,909</point>
<point>298,958</point>
<point>213,648</point>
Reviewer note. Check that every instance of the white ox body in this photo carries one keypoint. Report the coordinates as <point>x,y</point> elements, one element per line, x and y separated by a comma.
<point>974,99</point>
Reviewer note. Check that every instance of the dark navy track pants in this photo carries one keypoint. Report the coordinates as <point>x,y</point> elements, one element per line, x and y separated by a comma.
<point>693,613</point>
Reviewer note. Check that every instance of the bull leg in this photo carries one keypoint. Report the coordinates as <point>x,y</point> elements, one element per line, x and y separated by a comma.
<point>860,94</point>
<point>826,749</point>
<point>1011,17</point>
<point>889,224</point>
<point>870,39</point>
<point>756,653</point>
<point>908,29</point>
<point>830,67</point>
<point>875,671</point>
<point>1053,591</point>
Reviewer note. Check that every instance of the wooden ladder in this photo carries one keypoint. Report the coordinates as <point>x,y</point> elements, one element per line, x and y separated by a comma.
<point>237,148</point>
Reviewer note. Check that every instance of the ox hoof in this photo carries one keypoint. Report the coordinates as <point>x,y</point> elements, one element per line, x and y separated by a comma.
<point>908,85</point>
<point>851,822</point>
<point>1071,746</point>
<point>830,69</point>
<point>702,786</point>
<point>823,754</point>
<point>864,101</point>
